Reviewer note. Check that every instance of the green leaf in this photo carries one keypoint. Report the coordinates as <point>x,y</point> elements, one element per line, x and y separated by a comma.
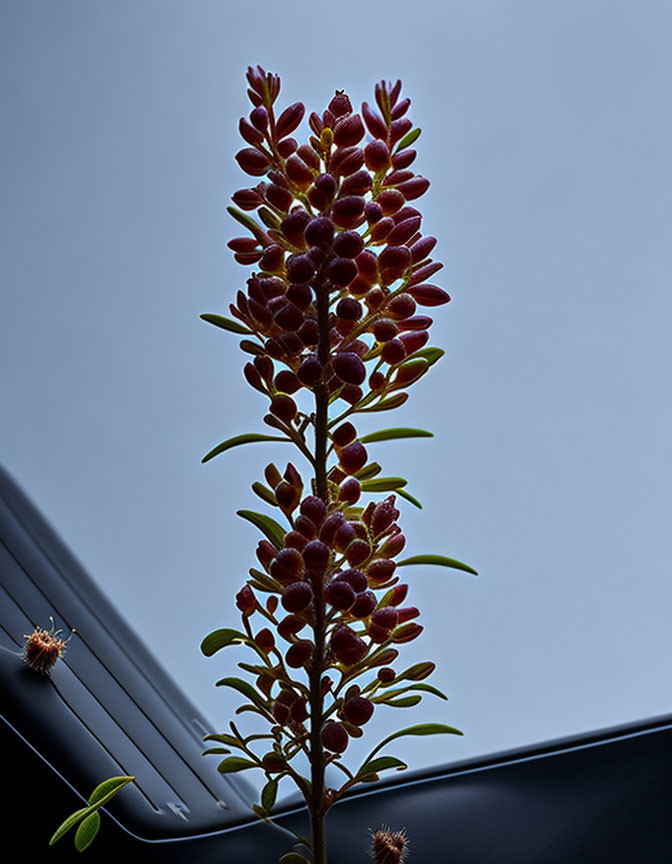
<point>420,729</point>
<point>252,348</point>
<point>368,471</point>
<point>260,812</point>
<point>268,527</point>
<point>224,738</point>
<point>428,688</point>
<point>235,763</point>
<point>107,789</point>
<point>225,323</point>
<point>269,794</point>
<point>440,560</point>
<point>385,404</point>
<point>383,484</point>
<point>247,690</point>
<point>397,432</point>
<point>408,139</point>
<point>382,763</point>
<point>293,858</point>
<point>219,751</point>
<point>249,223</point>
<point>431,355</point>
<point>248,438</point>
<point>219,639</point>
<point>404,702</point>
<point>266,495</point>
<point>409,497</point>
<point>86,833</point>
<point>417,672</point>
<point>67,824</point>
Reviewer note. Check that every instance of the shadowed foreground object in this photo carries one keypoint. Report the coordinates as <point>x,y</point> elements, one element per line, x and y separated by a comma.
<point>108,707</point>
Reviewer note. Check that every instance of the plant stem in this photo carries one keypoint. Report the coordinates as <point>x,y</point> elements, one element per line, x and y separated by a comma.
<point>317,761</point>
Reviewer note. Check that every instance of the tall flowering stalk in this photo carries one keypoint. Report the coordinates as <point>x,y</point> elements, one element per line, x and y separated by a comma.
<point>330,317</point>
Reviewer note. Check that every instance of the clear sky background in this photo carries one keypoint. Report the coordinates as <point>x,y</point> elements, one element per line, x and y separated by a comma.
<point>547,137</point>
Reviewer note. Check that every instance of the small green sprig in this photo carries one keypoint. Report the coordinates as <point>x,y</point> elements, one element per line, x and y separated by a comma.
<point>88,818</point>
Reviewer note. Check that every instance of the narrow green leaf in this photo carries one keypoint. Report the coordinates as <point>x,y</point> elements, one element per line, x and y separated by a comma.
<point>269,527</point>
<point>226,323</point>
<point>429,688</point>
<point>397,432</point>
<point>368,471</point>
<point>67,824</point>
<point>269,794</point>
<point>219,639</point>
<point>403,702</point>
<point>247,690</point>
<point>250,347</point>
<point>86,833</point>
<point>385,404</point>
<point>219,751</point>
<point>248,438</point>
<point>224,738</point>
<point>235,763</point>
<point>409,497</point>
<point>383,484</point>
<point>248,222</point>
<point>382,763</point>
<point>417,672</point>
<point>420,729</point>
<point>266,495</point>
<point>431,355</point>
<point>440,560</point>
<point>408,139</point>
<point>260,811</point>
<point>105,790</point>
<point>293,858</point>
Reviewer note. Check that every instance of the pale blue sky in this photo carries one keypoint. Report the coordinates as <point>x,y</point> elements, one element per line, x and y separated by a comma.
<point>547,138</point>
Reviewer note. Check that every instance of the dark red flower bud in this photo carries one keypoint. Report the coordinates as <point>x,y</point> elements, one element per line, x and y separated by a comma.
<point>298,172</point>
<point>309,332</point>
<point>394,178</point>
<point>349,366</point>
<point>243,244</point>
<point>357,552</point>
<point>429,295</point>
<point>299,711</point>
<point>393,351</point>
<point>330,527</point>
<point>310,371</point>
<point>355,578</point>
<point>376,381</point>
<point>288,563</point>
<point>286,382</point>
<point>358,710</point>
<point>279,197</point>
<point>316,556</point>
<point>350,491</point>
<point>393,262</point>
<point>273,762</point>
<point>306,527</point>
<point>391,200</point>
<point>334,737</point>
<point>426,271</point>
<point>381,230</point>
<point>376,156</point>
<point>403,159</point>
<point>351,394</point>
<point>348,244</point>
<point>412,189</point>
<point>407,613</point>
<point>299,653</point>
<point>356,184</point>
<point>300,269</point>
<point>400,109</point>
<point>339,594</point>
<point>280,713</point>
<point>296,597</point>
<point>385,329</point>
<point>344,434</point>
<point>314,509</point>
<point>289,119</point>
<point>414,341</point>
<point>309,156</point>
<point>346,646</point>
<point>346,161</point>
<point>399,128</point>
<point>347,212</point>
<point>294,226</point>
<point>386,618</point>
<point>348,131</point>
<point>290,625</point>
<point>384,515</point>
<point>272,258</point>
<point>367,266</point>
<point>266,552</point>
<point>249,133</point>
<point>265,640</point>
<point>344,536</point>
<point>247,199</point>
<point>417,322</point>
<point>349,309</point>
<point>392,546</point>
<point>380,571</point>
<point>340,104</point>
<point>386,674</point>
<point>342,271</point>
<point>401,306</point>
<point>374,123</point>
<point>246,601</point>
<point>259,118</point>
<point>373,212</point>
<point>404,231</point>
<point>364,604</point>
<point>287,146</point>
<point>406,633</point>
<point>253,378</point>
<point>377,634</point>
<point>252,161</point>
<point>327,185</point>
<point>284,407</point>
<point>287,496</point>
<point>353,457</point>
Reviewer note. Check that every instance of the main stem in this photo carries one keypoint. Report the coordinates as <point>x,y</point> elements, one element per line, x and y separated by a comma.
<point>315,677</point>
